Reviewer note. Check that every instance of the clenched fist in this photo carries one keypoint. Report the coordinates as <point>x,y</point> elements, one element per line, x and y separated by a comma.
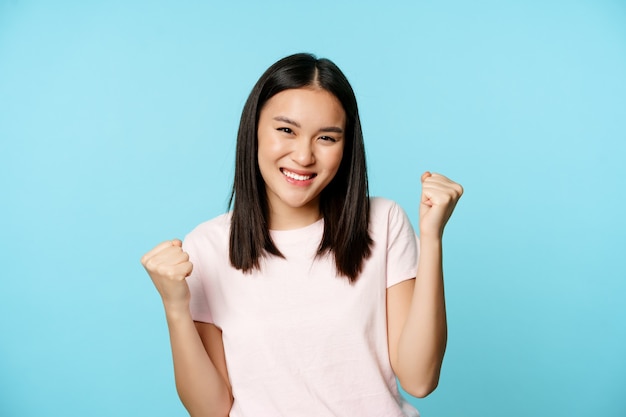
<point>168,266</point>
<point>439,197</point>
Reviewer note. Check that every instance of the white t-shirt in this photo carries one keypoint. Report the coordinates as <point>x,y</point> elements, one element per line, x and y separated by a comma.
<point>300,340</point>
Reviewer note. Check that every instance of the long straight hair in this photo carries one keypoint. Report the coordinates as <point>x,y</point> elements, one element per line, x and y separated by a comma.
<point>344,202</point>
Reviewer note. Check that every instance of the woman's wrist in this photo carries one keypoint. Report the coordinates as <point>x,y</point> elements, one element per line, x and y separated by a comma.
<point>430,239</point>
<point>177,312</point>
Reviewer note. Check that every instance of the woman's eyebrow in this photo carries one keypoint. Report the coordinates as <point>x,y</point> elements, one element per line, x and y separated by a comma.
<point>334,129</point>
<point>284,119</point>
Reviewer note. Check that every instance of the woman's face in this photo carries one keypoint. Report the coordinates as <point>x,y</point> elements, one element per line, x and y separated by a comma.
<point>300,146</point>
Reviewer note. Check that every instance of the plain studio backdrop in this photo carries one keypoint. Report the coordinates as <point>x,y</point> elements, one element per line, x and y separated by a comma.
<point>117,128</point>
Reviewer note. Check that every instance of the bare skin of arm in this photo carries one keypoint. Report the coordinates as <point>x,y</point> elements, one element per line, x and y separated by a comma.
<point>197,348</point>
<point>416,312</point>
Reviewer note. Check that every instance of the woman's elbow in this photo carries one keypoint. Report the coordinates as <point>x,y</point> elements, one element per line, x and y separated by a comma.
<point>420,389</point>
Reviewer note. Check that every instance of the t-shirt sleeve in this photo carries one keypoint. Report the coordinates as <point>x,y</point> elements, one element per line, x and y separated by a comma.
<point>402,247</point>
<point>198,304</point>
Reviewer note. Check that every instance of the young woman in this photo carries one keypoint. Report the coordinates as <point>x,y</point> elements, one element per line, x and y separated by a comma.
<point>309,298</point>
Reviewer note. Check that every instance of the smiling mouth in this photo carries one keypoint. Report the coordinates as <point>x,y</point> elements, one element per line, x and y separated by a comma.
<point>297,177</point>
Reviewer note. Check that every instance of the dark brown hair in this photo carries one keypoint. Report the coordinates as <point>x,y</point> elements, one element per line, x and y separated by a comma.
<point>344,203</point>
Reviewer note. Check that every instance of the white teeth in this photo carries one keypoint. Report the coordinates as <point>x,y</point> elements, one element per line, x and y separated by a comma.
<point>297,176</point>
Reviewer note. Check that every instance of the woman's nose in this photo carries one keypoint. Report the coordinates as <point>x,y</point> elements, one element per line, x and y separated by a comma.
<point>303,152</point>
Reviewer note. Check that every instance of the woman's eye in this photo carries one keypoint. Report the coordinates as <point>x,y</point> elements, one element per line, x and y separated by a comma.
<point>285,130</point>
<point>328,139</point>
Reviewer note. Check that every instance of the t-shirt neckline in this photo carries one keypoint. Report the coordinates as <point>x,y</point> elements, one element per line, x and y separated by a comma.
<point>295,235</point>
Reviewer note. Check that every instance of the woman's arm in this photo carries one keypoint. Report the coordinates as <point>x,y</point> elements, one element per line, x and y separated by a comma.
<point>197,348</point>
<point>416,312</point>
<point>417,329</point>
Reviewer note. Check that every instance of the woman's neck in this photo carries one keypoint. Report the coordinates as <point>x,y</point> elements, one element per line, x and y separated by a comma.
<point>287,218</point>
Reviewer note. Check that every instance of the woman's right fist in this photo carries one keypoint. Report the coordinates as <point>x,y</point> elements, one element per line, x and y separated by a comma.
<point>168,266</point>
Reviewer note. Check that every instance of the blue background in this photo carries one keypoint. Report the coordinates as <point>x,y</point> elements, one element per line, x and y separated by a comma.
<point>117,131</point>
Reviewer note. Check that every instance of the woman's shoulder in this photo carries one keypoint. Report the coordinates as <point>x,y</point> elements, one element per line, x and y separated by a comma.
<point>383,206</point>
<point>215,229</point>
<point>386,213</point>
